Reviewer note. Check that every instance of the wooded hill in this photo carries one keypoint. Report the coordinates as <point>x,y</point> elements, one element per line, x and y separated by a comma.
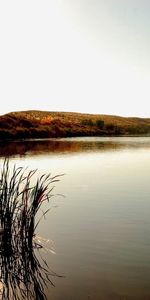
<point>44,124</point>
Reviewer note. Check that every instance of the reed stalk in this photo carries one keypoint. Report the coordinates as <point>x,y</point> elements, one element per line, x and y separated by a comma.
<point>20,201</point>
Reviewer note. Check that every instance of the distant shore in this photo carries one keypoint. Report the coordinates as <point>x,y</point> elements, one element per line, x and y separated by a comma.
<point>44,124</point>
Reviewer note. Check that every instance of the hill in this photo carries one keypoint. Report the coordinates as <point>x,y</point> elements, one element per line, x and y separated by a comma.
<point>44,124</point>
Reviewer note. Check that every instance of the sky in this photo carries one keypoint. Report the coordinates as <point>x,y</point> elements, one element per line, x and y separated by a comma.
<point>89,56</point>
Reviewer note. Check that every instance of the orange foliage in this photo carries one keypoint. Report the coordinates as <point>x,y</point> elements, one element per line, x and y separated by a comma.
<point>46,120</point>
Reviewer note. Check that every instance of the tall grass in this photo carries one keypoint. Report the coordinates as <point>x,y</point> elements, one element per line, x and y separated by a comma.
<point>21,197</point>
<point>20,200</point>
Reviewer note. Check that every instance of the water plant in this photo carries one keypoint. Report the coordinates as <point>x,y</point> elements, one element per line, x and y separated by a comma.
<point>21,197</point>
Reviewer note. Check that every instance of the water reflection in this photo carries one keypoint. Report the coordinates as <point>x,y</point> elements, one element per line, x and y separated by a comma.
<point>71,145</point>
<point>23,275</point>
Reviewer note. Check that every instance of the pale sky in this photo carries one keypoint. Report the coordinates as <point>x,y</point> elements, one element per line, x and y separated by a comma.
<point>88,56</point>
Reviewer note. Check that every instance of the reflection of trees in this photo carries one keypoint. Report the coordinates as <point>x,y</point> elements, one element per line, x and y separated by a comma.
<point>53,146</point>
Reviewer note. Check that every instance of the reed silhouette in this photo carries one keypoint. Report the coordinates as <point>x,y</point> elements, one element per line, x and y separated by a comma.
<point>22,274</point>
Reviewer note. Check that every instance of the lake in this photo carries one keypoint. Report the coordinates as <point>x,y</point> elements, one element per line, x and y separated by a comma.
<point>99,222</point>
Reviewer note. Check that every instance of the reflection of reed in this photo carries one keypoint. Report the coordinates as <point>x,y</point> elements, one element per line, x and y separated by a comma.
<point>22,274</point>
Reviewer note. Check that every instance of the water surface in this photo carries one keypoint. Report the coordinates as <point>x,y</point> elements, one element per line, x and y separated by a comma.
<point>100,226</point>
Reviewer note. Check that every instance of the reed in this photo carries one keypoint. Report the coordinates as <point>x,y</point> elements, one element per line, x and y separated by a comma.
<point>22,276</point>
<point>21,197</point>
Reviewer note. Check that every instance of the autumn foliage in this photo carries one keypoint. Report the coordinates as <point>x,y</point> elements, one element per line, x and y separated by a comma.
<point>44,124</point>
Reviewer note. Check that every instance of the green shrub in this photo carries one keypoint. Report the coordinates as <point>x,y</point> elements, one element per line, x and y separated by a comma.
<point>100,123</point>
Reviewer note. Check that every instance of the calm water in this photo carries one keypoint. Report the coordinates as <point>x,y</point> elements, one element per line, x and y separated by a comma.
<point>100,226</point>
